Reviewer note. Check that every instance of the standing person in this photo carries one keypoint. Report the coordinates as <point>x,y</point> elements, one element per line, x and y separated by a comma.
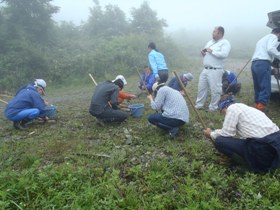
<point>157,63</point>
<point>148,78</point>
<point>265,52</point>
<point>230,83</point>
<point>104,103</point>
<point>214,54</point>
<point>259,142</point>
<point>28,104</point>
<point>175,112</point>
<point>185,78</point>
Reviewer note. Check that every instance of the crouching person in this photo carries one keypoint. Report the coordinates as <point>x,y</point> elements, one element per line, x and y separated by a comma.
<point>28,104</point>
<point>104,102</point>
<point>259,145</point>
<point>175,112</point>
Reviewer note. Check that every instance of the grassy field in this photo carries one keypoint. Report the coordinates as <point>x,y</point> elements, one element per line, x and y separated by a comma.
<point>77,164</point>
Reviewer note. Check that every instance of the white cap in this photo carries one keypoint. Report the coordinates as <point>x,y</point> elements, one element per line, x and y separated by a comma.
<point>120,77</point>
<point>40,83</point>
<point>188,76</point>
<point>156,84</point>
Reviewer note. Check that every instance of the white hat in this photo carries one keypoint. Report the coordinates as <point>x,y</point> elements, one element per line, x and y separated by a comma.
<point>40,83</point>
<point>120,77</point>
<point>188,76</point>
<point>156,85</point>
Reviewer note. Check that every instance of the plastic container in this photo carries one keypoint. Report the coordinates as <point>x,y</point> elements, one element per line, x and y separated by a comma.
<point>137,110</point>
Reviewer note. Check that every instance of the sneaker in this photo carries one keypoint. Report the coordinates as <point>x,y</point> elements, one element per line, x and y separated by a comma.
<point>100,122</point>
<point>173,132</point>
<point>19,125</point>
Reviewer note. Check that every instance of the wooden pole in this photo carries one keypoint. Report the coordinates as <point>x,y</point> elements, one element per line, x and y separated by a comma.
<point>191,102</point>
<point>5,102</point>
<point>92,79</point>
<point>238,75</point>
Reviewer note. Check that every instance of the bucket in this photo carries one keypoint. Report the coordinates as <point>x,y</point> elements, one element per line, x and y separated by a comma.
<point>137,110</point>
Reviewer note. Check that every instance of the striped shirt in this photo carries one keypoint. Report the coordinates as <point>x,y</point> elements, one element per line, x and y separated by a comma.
<point>246,121</point>
<point>172,103</point>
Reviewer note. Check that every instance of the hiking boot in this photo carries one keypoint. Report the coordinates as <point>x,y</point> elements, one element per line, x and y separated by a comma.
<point>20,125</point>
<point>173,132</point>
<point>100,122</point>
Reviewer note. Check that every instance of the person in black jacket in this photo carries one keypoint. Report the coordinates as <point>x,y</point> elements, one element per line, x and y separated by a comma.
<point>104,102</point>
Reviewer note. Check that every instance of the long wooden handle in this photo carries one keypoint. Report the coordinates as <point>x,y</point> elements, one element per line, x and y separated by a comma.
<point>5,102</point>
<point>92,79</point>
<point>191,102</point>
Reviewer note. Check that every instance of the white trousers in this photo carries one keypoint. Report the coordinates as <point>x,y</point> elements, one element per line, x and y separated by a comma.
<point>209,79</point>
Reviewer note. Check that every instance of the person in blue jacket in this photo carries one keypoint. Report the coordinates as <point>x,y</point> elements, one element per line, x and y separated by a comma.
<point>157,63</point>
<point>28,104</point>
<point>185,78</point>
<point>230,83</point>
<point>147,80</point>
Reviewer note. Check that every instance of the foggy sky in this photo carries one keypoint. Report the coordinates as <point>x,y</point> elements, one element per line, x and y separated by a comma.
<point>188,14</point>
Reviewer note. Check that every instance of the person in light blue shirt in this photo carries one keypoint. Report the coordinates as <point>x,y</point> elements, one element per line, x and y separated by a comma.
<point>157,63</point>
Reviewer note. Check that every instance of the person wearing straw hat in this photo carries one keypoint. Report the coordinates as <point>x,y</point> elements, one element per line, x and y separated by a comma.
<point>174,109</point>
<point>259,142</point>
<point>185,78</point>
<point>28,104</point>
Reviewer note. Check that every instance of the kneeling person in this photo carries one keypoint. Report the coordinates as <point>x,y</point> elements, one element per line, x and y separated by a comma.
<point>175,112</point>
<point>104,102</point>
<point>28,104</point>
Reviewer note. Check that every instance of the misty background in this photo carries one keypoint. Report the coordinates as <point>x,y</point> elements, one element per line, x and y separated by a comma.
<point>64,40</point>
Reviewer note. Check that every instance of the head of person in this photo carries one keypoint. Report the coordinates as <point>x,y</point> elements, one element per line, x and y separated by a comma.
<point>218,33</point>
<point>156,86</point>
<point>121,77</point>
<point>188,77</point>
<point>119,83</point>
<point>40,85</point>
<point>276,31</point>
<point>152,46</point>
<point>147,70</point>
<point>225,101</point>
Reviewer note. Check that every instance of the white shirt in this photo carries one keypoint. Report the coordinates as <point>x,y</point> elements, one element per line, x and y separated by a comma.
<point>220,51</point>
<point>266,48</point>
<point>247,121</point>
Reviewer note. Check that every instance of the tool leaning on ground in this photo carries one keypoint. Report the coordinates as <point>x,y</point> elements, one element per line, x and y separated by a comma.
<point>237,75</point>
<point>5,102</point>
<point>191,102</point>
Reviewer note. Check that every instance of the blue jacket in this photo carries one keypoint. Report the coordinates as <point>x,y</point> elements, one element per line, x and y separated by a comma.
<point>149,81</point>
<point>157,62</point>
<point>175,84</point>
<point>26,98</point>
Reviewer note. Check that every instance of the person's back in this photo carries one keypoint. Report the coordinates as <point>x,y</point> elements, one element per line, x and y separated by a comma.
<point>230,83</point>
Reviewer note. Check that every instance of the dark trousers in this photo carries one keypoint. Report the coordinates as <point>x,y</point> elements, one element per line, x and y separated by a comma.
<point>261,72</point>
<point>164,122</point>
<point>112,115</point>
<point>257,153</point>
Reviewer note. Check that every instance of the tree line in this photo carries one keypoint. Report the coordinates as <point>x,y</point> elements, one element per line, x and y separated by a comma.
<point>33,45</point>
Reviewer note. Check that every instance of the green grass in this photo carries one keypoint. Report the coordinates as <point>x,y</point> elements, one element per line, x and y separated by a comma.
<point>77,164</point>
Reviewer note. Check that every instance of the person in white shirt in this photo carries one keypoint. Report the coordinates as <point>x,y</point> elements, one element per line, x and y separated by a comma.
<point>259,142</point>
<point>214,54</point>
<point>265,52</point>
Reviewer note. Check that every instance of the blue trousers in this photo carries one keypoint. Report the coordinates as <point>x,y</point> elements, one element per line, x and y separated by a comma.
<point>164,122</point>
<point>261,72</point>
<point>30,114</point>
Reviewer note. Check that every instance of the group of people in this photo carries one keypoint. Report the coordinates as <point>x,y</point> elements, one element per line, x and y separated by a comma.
<point>259,142</point>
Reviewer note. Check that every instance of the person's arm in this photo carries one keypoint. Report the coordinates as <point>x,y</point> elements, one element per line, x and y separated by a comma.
<point>222,51</point>
<point>158,102</point>
<point>272,45</point>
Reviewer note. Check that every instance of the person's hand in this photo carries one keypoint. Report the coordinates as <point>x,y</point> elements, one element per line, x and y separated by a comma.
<point>182,93</point>
<point>46,103</point>
<point>133,96</point>
<point>207,133</point>
<point>150,97</point>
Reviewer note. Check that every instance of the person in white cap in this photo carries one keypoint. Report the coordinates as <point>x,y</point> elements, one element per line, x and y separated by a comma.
<point>122,95</point>
<point>185,78</point>
<point>28,104</point>
<point>175,112</point>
